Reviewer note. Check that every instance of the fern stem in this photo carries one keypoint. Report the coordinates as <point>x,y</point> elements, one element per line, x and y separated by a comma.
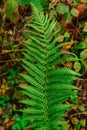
<point>46,73</point>
<point>45,98</point>
<point>45,88</point>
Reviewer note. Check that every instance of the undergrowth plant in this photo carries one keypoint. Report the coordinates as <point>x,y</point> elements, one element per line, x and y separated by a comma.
<point>20,122</point>
<point>11,10</point>
<point>11,7</point>
<point>41,4</point>
<point>47,86</point>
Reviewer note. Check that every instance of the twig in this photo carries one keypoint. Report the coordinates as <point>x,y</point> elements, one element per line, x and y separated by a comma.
<point>9,60</point>
<point>56,2</point>
<point>3,74</point>
<point>8,51</point>
<point>80,113</point>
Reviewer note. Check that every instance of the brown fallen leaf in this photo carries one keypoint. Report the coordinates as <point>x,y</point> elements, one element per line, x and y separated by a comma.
<point>9,124</point>
<point>82,128</point>
<point>1,112</point>
<point>67,46</point>
<point>68,64</point>
<point>2,128</point>
<point>6,120</point>
<point>82,9</point>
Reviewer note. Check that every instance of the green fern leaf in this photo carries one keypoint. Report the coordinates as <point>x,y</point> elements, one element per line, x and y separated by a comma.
<point>48,87</point>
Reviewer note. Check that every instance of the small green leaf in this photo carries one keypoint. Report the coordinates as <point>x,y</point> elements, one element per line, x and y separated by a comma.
<point>77,66</point>
<point>74,12</point>
<point>68,17</point>
<point>5,116</point>
<point>83,54</point>
<point>83,123</point>
<point>78,127</point>
<point>81,108</point>
<point>81,45</point>
<point>62,8</point>
<point>67,35</point>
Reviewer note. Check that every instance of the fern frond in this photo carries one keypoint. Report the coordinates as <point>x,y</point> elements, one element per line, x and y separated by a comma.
<point>48,87</point>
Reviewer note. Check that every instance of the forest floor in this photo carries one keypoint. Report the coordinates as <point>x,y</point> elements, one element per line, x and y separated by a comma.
<point>11,46</point>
